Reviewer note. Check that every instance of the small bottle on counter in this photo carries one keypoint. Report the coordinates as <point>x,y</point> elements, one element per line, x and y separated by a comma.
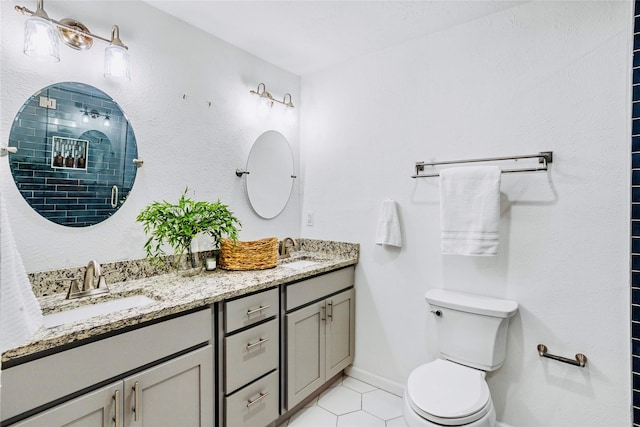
<point>210,264</point>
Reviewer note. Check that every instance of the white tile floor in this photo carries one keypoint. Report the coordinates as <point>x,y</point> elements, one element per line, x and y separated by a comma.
<point>350,403</point>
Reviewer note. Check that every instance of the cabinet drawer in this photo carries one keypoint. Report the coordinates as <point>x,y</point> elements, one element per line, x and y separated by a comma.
<point>319,287</point>
<point>255,405</point>
<point>250,354</point>
<point>251,309</point>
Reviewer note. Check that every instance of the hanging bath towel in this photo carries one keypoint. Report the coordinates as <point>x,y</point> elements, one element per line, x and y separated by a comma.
<point>470,210</point>
<point>20,313</point>
<point>388,229</point>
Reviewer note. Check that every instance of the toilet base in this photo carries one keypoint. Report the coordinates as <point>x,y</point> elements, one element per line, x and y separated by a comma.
<point>414,420</point>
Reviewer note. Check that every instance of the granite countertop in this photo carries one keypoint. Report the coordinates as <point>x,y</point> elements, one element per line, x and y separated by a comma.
<point>173,294</point>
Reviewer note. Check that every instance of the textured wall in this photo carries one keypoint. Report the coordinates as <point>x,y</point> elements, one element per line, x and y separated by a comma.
<point>182,140</point>
<point>540,76</point>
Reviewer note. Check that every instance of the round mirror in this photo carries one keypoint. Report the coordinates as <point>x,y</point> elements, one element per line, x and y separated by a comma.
<point>270,174</point>
<point>74,163</point>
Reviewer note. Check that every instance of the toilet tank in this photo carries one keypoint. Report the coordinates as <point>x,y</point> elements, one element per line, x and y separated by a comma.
<point>472,329</point>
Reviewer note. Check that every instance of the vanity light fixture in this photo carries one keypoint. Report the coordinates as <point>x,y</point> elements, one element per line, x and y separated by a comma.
<point>94,114</point>
<point>41,36</point>
<point>267,100</point>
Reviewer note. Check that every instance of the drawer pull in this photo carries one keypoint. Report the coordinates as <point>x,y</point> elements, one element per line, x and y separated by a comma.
<point>257,310</point>
<point>257,399</point>
<point>260,341</point>
<point>116,398</point>
<point>136,401</point>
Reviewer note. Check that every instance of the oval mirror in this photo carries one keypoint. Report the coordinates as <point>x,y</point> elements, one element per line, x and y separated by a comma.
<point>74,163</point>
<point>270,178</point>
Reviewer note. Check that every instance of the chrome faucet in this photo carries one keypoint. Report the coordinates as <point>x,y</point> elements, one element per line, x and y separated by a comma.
<point>92,284</point>
<point>284,249</point>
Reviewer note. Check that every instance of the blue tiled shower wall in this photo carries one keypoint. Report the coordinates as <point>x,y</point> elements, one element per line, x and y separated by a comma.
<point>635,219</point>
<point>73,196</point>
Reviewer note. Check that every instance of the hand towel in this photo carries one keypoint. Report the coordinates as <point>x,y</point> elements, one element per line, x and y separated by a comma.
<point>388,229</point>
<point>20,313</point>
<point>470,210</point>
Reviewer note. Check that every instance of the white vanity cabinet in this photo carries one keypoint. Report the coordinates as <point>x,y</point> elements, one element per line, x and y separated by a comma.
<point>249,350</point>
<point>319,332</point>
<point>159,375</point>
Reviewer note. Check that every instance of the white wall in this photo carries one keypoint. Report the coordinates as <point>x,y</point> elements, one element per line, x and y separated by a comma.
<point>183,142</point>
<point>540,76</point>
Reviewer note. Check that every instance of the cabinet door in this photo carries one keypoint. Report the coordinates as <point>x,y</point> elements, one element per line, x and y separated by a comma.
<point>340,331</point>
<point>95,409</point>
<point>305,352</point>
<point>176,393</point>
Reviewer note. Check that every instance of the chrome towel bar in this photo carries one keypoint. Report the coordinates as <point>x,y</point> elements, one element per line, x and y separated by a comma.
<point>544,158</point>
<point>580,359</point>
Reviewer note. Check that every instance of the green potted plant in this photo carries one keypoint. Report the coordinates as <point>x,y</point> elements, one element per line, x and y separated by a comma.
<point>178,224</point>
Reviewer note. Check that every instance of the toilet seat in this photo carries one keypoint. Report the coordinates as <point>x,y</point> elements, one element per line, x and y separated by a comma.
<point>447,393</point>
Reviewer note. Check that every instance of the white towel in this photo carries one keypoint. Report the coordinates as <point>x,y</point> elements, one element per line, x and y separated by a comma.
<point>388,230</point>
<point>470,210</point>
<point>20,313</point>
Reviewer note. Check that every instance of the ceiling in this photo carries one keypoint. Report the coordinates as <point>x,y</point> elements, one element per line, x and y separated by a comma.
<point>304,36</point>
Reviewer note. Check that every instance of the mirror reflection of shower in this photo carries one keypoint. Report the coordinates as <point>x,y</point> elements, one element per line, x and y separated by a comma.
<point>74,145</point>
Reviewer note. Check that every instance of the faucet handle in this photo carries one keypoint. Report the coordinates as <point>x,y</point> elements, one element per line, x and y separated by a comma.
<point>282,249</point>
<point>74,288</point>
<point>102,283</point>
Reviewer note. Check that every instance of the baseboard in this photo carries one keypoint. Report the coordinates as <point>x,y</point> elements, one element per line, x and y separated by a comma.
<point>377,381</point>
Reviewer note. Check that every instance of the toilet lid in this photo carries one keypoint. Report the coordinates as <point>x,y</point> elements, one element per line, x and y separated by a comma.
<point>448,393</point>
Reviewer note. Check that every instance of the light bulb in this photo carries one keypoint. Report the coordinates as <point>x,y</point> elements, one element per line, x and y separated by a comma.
<point>41,39</point>
<point>116,62</point>
<point>85,117</point>
<point>263,105</point>
<point>107,121</point>
<point>289,116</point>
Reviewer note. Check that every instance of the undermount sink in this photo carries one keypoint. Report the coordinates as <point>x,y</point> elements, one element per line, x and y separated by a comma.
<point>299,265</point>
<point>92,310</point>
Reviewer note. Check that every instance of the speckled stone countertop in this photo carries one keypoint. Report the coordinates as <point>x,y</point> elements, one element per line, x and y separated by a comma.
<point>174,294</point>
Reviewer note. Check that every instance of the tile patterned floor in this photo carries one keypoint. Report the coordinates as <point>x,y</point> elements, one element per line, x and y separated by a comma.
<point>350,403</point>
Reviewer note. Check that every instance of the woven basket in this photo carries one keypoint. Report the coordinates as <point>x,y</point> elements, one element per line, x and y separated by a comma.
<point>255,255</point>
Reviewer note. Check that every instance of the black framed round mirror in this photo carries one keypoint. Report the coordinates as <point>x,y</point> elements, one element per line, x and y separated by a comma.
<point>75,150</point>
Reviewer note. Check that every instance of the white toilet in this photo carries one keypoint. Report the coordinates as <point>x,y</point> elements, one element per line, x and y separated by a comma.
<point>452,391</point>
